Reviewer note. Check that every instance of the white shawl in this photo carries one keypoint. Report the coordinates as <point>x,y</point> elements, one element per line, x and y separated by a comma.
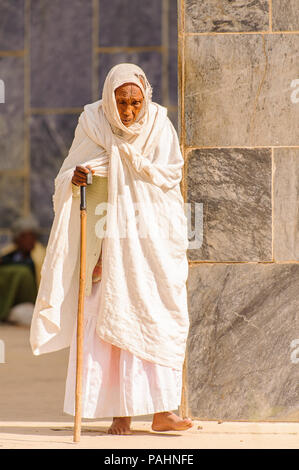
<point>143,306</point>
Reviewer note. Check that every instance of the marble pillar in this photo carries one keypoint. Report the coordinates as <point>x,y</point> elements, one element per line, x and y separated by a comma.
<point>239,111</point>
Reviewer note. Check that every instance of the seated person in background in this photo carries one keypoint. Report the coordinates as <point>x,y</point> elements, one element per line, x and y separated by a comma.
<point>20,266</point>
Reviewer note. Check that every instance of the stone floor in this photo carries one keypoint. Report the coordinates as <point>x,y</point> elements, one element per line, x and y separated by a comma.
<point>31,402</point>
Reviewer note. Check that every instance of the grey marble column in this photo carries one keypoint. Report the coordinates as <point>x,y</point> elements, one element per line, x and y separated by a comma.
<point>239,99</point>
<point>241,357</point>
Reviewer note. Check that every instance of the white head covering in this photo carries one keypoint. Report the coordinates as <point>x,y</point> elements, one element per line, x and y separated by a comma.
<point>118,76</point>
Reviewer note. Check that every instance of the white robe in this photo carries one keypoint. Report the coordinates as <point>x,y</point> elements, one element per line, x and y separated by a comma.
<point>114,381</point>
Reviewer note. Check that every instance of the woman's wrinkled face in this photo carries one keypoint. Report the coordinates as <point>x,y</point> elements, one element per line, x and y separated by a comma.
<point>129,99</point>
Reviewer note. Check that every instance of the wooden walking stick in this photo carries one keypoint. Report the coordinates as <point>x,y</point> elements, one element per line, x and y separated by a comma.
<point>80,315</point>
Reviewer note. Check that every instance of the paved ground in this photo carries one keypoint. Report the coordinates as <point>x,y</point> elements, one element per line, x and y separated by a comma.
<point>31,417</point>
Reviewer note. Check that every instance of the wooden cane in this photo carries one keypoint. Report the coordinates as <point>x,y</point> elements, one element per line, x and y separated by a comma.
<point>80,315</point>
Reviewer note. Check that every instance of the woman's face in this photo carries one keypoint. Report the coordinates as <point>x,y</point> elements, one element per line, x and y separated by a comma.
<point>129,99</point>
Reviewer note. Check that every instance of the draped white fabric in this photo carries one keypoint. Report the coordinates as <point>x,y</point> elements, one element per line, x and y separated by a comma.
<point>114,381</point>
<point>143,306</point>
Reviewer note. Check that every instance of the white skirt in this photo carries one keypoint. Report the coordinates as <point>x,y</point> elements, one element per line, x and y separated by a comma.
<point>115,382</point>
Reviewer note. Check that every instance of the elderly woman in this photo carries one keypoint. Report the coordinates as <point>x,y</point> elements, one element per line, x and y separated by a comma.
<point>136,316</point>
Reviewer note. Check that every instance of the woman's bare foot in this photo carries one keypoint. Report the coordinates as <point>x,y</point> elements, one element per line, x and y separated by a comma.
<point>120,426</point>
<point>168,421</point>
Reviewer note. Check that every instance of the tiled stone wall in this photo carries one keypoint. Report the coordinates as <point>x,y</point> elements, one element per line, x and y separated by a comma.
<point>239,113</point>
<point>54,56</point>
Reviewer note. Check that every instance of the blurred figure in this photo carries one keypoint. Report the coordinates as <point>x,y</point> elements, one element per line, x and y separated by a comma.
<point>20,267</point>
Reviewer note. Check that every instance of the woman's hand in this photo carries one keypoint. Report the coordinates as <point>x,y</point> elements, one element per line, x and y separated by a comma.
<point>80,174</point>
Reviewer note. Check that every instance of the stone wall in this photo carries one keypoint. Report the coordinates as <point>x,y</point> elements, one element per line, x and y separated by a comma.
<point>239,112</point>
<point>54,56</point>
